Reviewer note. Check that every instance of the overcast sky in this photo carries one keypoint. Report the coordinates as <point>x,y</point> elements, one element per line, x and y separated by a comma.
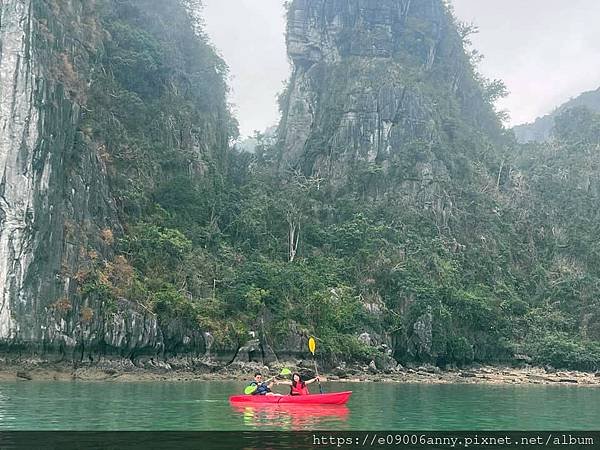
<point>546,51</point>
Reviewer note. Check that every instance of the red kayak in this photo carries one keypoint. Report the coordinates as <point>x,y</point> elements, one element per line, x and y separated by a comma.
<point>335,398</point>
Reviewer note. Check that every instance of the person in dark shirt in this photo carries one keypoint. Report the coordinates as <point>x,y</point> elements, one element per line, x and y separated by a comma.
<point>262,387</point>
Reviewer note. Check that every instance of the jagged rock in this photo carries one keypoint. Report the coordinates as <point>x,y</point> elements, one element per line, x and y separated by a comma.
<point>269,356</point>
<point>423,335</point>
<point>372,367</point>
<point>429,369</point>
<point>156,363</point>
<point>24,376</point>
<point>340,372</point>
<point>383,348</point>
<point>523,358</point>
<point>365,338</point>
<point>597,374</point>
<point>293,344</point>
<point>549,369</point>
<point>250,346</point>
<point>209,340</point>
<point>385,362</point>
<point>251,351</point>
<point>467,375</point>
<point>374,116</point>
<point>303,363</point>
<point>112,363</point>
<point>248,367</point>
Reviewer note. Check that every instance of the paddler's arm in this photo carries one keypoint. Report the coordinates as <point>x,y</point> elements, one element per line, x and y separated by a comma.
<point>311,381</point>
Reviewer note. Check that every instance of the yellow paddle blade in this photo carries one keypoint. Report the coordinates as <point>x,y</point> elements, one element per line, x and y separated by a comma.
<point>312,345</point>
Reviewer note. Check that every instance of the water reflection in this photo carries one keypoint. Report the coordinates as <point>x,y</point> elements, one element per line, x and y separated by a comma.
<point>205,406</point>
<point>6,412</point>
<point>293,417</point>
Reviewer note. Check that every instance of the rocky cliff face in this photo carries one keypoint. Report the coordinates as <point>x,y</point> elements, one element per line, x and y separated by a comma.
<point>128,230</point>
<point>19,136</point>
<point>38,124</point>
<point>385,109</point>
<point>57,207</point>
<point>372,81</point>
<point>55,194</point>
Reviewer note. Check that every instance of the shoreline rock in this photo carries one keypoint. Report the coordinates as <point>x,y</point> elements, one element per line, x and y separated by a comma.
<point>120,371</point>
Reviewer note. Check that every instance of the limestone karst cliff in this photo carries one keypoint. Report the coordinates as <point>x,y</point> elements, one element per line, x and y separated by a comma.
<point>72,84</point>
<point>374,80</point>
<point>391,216</point>
<point>388,127</point>
<point>41,190</point>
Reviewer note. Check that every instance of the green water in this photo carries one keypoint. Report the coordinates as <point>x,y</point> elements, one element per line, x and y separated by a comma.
<point>373,406</point>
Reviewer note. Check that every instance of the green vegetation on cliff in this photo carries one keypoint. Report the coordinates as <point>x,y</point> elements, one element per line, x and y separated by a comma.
<point>154,115</point>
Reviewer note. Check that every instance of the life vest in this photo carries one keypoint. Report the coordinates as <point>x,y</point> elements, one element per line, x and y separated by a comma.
<point>261,388</point>
<point>299,389</point>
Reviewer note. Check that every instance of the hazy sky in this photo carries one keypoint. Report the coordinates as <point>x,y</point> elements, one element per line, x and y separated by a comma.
<point>546,51</point>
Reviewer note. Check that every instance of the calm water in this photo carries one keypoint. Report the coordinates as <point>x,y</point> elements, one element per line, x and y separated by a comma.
<point>373,406</point>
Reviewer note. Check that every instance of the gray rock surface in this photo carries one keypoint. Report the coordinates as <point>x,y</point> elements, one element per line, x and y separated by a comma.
<point>358,92</point>
<point>55,199</point>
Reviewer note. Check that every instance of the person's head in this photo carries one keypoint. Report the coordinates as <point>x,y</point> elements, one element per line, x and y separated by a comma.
<point>296,378</point>
<point>258,377</point>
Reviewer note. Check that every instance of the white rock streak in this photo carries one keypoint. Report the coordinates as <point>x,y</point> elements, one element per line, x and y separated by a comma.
<point>18,138</point>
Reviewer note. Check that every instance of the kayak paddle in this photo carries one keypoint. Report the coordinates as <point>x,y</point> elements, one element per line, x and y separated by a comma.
<point>250,389</point>
<point>312,345</point>
<point>253,387</point>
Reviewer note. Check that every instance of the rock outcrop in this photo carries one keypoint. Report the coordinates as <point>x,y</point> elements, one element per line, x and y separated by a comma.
<point>374,83</point>
<point>19,124</point>
<point>385,106</point>
<point>55,194</point>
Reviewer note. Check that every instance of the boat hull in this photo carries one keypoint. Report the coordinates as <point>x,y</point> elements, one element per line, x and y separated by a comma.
<point>334,398</point>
